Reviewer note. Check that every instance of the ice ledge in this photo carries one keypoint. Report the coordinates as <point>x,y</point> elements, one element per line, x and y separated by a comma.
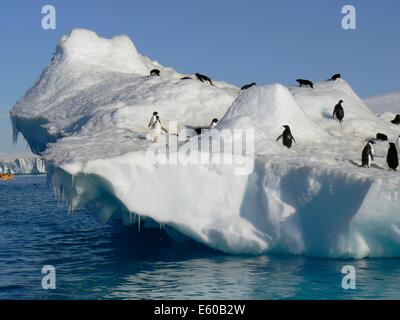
<point>280,208</point>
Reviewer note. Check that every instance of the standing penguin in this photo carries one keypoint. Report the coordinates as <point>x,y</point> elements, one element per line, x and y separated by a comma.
<point>156,130</point>
<point>338,111</point>
<point>287,137</point>
<point>367,155</point>
<point>153,119</point>
<point>392,158</point>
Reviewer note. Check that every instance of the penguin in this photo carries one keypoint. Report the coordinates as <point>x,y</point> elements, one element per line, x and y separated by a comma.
<point>214,123</point>
<point>153,119</point>
<point>335,77</point>
<point>367,155</point>
<point>203,78</point>
<point>287,137</point>
<point>381,136</point>
<point>157,130</point>
<point>155,72</point>
<point>338,111</point>
<point>396,120</point>
<point>392,158</point>
<point>303,82</point>
<point>247,86</point>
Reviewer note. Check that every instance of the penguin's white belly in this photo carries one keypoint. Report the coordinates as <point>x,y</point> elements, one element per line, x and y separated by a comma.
<point>155,133</point>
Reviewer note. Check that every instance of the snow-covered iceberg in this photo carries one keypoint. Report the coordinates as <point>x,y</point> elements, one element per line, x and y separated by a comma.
<point>384,103</point>
<point>387,106</point>
<point>22,164</point>
<point>88,115</point>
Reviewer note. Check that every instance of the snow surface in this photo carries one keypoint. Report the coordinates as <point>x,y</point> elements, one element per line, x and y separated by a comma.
<point>21,164</point>
<point>88,115</point>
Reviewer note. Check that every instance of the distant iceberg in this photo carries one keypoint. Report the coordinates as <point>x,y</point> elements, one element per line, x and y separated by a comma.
<point>22,164</point>
<point>87,116</point>
<point>384,103</point>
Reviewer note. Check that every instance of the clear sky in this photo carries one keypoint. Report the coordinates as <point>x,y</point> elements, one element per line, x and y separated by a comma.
<point>264,41</point>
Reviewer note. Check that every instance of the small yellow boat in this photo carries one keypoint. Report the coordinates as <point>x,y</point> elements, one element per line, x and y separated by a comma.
<point>7,176</point>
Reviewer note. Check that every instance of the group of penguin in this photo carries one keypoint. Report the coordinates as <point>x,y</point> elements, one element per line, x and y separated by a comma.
<point>156,129</point>
<point>200,77</point>
<point>338,112</point>
<point>287,137</point>
<point>367,155</point>
<point>391,159</point>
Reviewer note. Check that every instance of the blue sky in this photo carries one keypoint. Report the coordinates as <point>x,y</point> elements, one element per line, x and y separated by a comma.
<point>237,41</point>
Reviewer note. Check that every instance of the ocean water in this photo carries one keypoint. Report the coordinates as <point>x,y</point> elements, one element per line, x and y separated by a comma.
<point>94,261</point>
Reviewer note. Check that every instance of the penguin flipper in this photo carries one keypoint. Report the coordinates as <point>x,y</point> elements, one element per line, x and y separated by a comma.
<point>150,123</point>
<point>279,137</point>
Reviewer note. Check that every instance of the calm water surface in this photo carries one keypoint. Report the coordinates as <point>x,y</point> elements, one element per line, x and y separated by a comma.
<point>112,261</point>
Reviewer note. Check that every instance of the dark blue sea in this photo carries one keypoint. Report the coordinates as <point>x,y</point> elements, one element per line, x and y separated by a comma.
<point>113,261</point>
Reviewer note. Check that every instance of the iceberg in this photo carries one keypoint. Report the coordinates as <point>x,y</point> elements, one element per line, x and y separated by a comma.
<point>87,115</point>
<point>22,164</point>
<point>385,103</point>
<point>387,106</point>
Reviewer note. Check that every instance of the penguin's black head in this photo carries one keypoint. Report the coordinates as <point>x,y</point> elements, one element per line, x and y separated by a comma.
<point>215,120</point>
<point>286,127</point>
<point>253,83</point>
<point>340,101</point>
<point>392,145</point>
<point>371,142</point>
<point>155,113</point>
<point>197,74</point>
